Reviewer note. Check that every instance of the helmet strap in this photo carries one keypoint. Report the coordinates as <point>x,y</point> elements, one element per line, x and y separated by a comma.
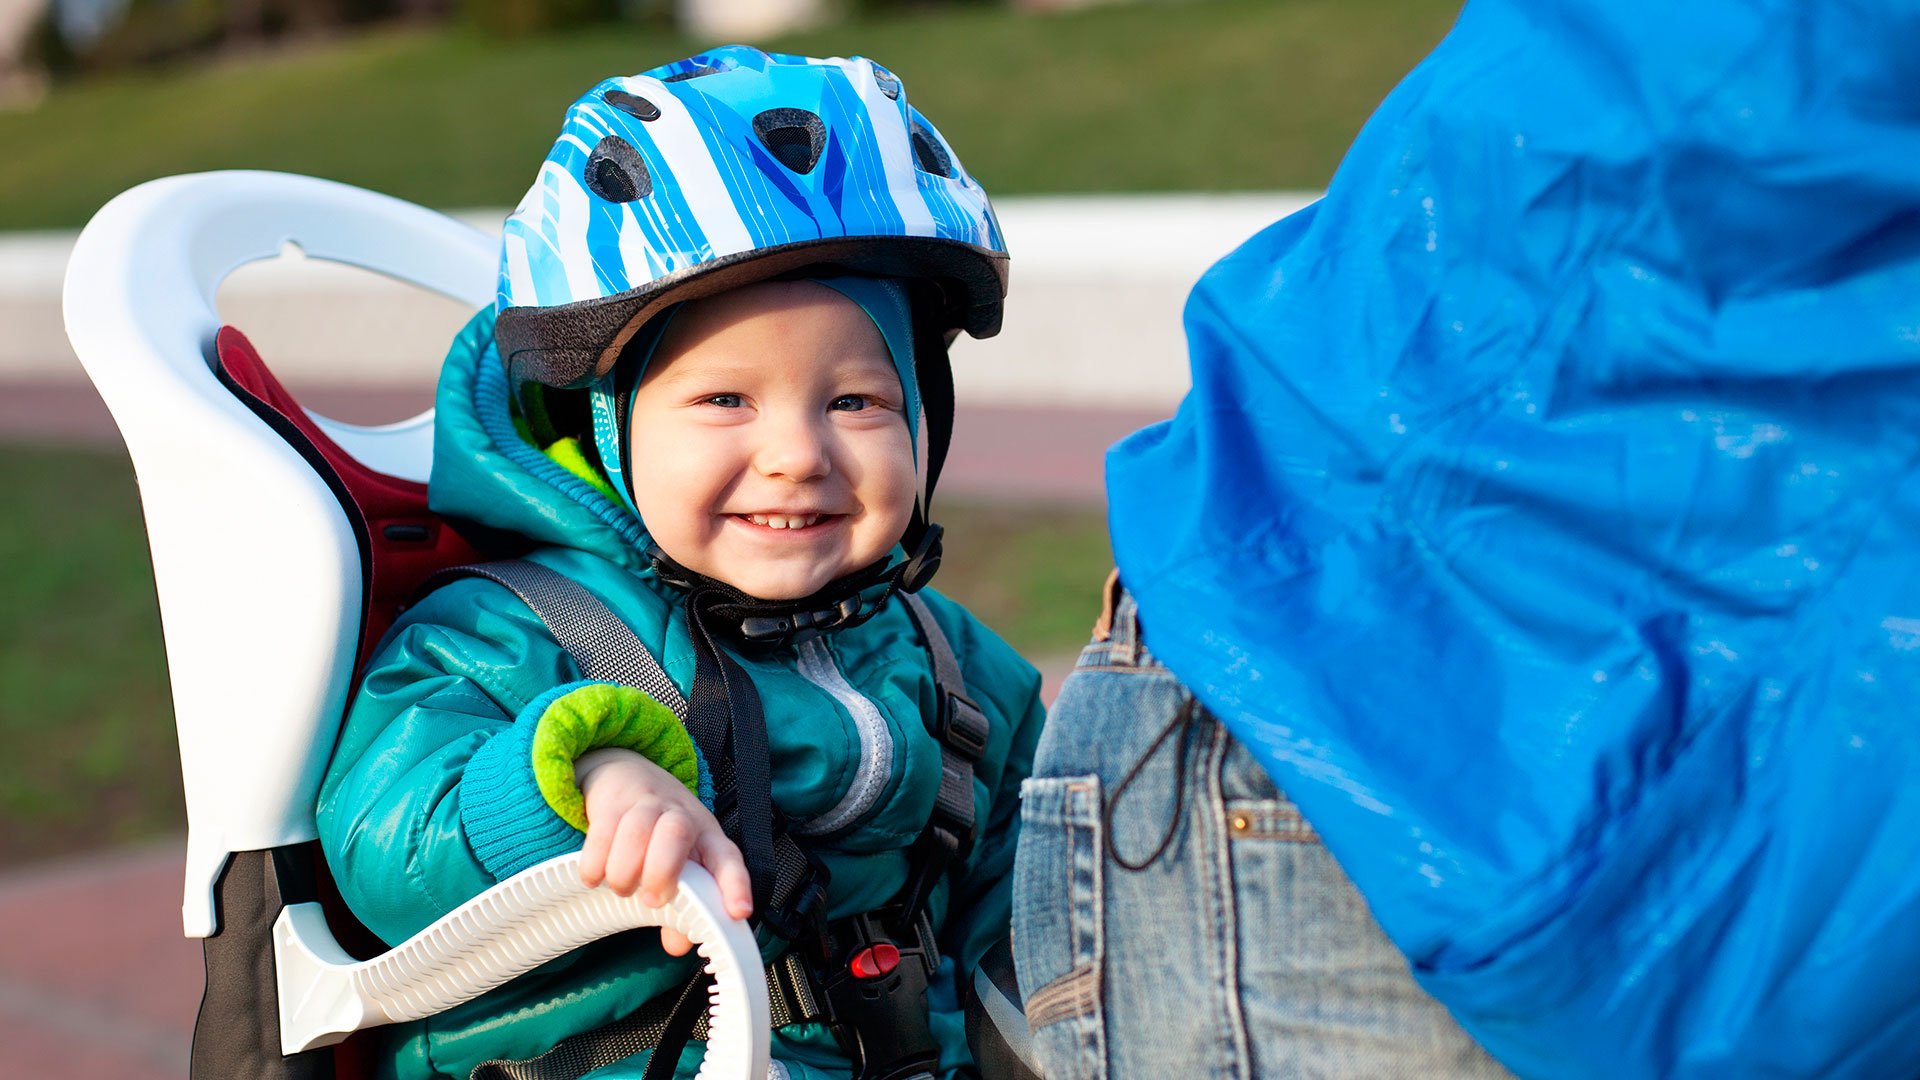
<point>840,604</point>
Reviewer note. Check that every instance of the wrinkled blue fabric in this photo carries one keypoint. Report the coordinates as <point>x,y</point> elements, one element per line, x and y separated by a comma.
<point>1545,516</point>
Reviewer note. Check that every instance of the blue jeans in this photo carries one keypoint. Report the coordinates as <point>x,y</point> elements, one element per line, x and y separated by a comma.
<point>1174,916</point>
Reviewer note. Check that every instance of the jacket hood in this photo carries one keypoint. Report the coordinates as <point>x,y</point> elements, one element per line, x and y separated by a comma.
<point>486,470</point>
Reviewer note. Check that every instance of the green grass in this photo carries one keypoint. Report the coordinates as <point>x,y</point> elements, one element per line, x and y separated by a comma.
<point>1032,573</point>
<point>86,723</point>
<point>85,720</point>
<point>1210,95</point>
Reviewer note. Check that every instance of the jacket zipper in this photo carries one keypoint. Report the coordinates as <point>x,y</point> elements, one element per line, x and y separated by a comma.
<point>876,743</point>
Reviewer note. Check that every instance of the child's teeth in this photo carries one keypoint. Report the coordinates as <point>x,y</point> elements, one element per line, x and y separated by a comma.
<point>784,521</point>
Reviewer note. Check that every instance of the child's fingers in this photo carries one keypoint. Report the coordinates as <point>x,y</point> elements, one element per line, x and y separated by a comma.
<point>722,859</point>
<point>675,942</point>
<point>627,857</point>
<point>672,841</point>
<point>593,854</point>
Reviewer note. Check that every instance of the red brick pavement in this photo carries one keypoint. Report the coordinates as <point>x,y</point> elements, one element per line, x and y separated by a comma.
<point>96,981</point>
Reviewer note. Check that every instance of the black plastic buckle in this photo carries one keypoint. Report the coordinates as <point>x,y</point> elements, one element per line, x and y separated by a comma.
<point>937,850</point>
<point>962,726</point>
<point>801,625</point>
<point>803,912</point>
<point>880,1018</point>
<point>794,920</point>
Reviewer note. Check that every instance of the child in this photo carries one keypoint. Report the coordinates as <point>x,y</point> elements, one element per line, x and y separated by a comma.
<point>715,397</point>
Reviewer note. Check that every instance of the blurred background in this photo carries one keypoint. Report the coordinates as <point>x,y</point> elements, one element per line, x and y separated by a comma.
<point>1126,144</point>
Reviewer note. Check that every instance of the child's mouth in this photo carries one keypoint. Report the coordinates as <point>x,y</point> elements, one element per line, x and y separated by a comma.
<point>787,522</point>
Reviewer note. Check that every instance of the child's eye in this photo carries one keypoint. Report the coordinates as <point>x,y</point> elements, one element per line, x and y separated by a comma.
<point>850,403</point>
<point>725,401</point>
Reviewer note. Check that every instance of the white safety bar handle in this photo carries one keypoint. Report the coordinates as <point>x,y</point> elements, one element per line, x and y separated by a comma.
<point>517,925</point>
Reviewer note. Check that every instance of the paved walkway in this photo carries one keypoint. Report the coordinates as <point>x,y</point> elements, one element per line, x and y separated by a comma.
<point>999,452</point>
<point>96,981</point>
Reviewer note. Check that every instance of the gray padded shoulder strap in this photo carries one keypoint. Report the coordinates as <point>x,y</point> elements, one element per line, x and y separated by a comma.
<point>606,648</point>
<point>946,665</point>
<point>960,727</point>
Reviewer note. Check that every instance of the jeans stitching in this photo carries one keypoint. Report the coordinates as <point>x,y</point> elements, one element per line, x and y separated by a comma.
<point>1213,840</point>
<point>1128,670</point>
<point>1069,1006</point>
<point>1088,796</point>
<point>1267,820</point>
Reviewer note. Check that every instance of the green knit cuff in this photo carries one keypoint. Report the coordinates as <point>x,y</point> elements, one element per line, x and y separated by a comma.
<point>605,715</point>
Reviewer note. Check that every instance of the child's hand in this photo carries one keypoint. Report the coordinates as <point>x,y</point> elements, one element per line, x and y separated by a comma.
<point>642,825</point>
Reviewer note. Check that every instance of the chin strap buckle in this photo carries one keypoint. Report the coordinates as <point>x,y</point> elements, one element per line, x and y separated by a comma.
<point>800,625</point>
<point>866,594</point>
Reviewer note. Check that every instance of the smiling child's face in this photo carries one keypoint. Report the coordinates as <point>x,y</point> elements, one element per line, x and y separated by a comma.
<point>769,442</point>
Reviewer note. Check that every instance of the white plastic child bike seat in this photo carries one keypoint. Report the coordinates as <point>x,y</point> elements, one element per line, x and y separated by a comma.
<point>260,582</point>
<point>259,635</point>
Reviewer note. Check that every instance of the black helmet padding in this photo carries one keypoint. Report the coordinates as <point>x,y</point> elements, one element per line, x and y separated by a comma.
<point>571,345</point>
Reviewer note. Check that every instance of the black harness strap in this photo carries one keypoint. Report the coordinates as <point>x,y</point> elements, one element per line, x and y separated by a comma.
<point>647,1028</point>
<point>787,883</point>
<point>575,1057</point>
<point>689,1010</point>
<point>726,721</point>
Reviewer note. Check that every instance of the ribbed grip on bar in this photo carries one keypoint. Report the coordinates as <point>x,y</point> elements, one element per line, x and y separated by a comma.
<point>516,926</point>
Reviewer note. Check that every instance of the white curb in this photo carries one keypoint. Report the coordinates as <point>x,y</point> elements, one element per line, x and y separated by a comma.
<point>1093,318</point>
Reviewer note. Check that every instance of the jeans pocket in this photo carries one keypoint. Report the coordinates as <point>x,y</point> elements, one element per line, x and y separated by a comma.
<point>1058,928</point>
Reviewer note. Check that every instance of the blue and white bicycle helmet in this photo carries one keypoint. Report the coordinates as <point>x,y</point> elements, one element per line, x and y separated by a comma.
<point>726,168</point>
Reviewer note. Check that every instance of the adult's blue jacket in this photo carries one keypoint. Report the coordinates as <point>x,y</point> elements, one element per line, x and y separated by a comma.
<point>1545,515</point>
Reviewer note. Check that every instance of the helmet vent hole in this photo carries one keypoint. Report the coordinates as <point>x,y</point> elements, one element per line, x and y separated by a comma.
<point>889,85</point>
<point>929,154</point>
<point>615,172</point>
<point>633,105</point>
<point>692,73</point>
<point>794,137</point>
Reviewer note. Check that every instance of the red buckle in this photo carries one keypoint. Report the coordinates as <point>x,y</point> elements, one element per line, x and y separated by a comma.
<point>874,961</point>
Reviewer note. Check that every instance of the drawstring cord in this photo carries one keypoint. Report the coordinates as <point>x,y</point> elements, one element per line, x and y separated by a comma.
<point>1178,724</point>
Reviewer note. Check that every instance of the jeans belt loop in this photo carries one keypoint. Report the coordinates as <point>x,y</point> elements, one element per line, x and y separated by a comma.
<point>1126,629</point>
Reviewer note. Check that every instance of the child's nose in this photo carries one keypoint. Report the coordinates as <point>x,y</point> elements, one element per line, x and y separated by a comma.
<point>795,449</point>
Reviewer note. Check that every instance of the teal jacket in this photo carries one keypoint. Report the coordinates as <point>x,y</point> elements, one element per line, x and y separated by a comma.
<point>432,757</point>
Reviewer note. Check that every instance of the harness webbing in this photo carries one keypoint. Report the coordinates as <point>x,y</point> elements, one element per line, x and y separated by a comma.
<point>606,649</point>
<point>731,728</point>
<point>788,992</point>
<point>961,728</point>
